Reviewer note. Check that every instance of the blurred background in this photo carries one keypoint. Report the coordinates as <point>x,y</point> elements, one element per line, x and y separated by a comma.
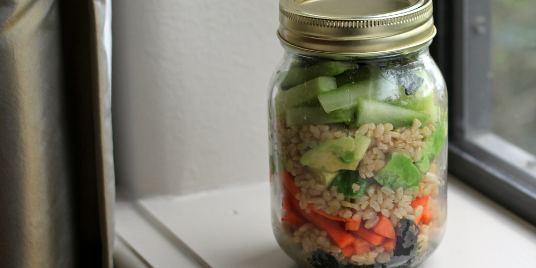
<point>513,83</point>
<point>190,89</point>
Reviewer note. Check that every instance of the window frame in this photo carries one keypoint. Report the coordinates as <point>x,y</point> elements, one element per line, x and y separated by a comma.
<point>461,50</point>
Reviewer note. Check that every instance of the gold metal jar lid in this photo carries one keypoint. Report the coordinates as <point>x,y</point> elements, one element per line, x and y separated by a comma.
<point>356,27</point>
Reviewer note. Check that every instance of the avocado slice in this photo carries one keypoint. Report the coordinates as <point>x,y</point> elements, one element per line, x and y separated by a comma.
<point>322,177</point>
<point>333,155</point>
<point>399,172</point>
<point>434,144</point>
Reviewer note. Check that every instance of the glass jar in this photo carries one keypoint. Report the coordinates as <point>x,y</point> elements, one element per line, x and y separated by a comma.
<point>358,134</point>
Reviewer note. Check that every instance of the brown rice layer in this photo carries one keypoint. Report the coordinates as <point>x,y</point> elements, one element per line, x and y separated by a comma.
<point>392,203</point>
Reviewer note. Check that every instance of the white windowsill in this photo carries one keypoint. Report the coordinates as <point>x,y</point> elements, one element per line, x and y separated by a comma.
<point>232,228</point>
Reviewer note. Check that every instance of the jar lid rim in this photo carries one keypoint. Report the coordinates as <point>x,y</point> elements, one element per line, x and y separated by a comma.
<point>308,24</point>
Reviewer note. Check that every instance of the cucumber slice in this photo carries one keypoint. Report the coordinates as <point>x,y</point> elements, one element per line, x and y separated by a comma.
<point>352,76</point>
<point>347,96</point>
<point>376,87</point>
<point>424,99</point>
<point>372,111</point>
<point>299,75</point>
<point>304,94</point>
<point>316,116</point>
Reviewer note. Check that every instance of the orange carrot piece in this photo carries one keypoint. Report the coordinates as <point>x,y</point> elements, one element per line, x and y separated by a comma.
<point>288,181</point>
<point>286,203</point>
<point>418,219</point>
<point>337,234</point>
<point>361,246</point>
<point>389,245</point>
<point>426,216</point>
<point>384,227</point>
<point>370,236</point>
<point>352,225</point>
<point>293,218</point>
<point>420,201</point>
<point>329,216</point>
<point>348,251</point>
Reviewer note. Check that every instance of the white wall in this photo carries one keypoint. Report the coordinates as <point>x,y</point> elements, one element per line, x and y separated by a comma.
<point>190,81</point>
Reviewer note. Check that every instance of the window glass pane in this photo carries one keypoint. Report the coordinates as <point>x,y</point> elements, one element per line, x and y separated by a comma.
<point>513,57</point>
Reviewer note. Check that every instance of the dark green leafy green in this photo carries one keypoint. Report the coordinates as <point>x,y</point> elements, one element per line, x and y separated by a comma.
<point>353,76</point>
<point>346,178</point>
<point>406,245</point>
<point>405,76</point>
<point>322,259</point>
<point>406,239</point>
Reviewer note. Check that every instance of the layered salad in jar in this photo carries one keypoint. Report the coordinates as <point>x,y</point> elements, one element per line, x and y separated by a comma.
<point>358,162</point>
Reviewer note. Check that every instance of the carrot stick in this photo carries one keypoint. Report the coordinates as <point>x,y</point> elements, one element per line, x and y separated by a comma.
<point>418,219</point>
<point>361,246</point>
<point>352,225</point>
<point>385,227</point>
<point>420,201</point>
<point>389,245</point>
<point>329,216</point>
<point>293,218</point>
<point>426,216</point>
<point>348,251</point>
<point>370,236</point>
<point>337,234</point>
<point>286,203</point>
<point>288,181</point>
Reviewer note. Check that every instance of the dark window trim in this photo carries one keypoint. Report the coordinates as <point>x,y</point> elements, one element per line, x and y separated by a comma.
<point>462,49</point>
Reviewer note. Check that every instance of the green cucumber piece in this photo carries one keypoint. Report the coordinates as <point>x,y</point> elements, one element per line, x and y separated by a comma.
<point>424,99</point>
<point>347,96</point>
<point>304,94</point>
<point>353,75</point>
<point>299,75</point>
<point>334,155</point>
<point>376,87</point>
<point>372,111</point>
<point>424,104</point>
<point>301,116</point>
<point>399,172</point>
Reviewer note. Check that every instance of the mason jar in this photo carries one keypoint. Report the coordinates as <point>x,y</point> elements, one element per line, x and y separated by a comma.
<point>358,134</point>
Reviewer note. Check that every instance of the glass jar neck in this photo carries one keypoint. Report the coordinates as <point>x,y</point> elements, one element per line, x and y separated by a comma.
<point>415,53</point>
